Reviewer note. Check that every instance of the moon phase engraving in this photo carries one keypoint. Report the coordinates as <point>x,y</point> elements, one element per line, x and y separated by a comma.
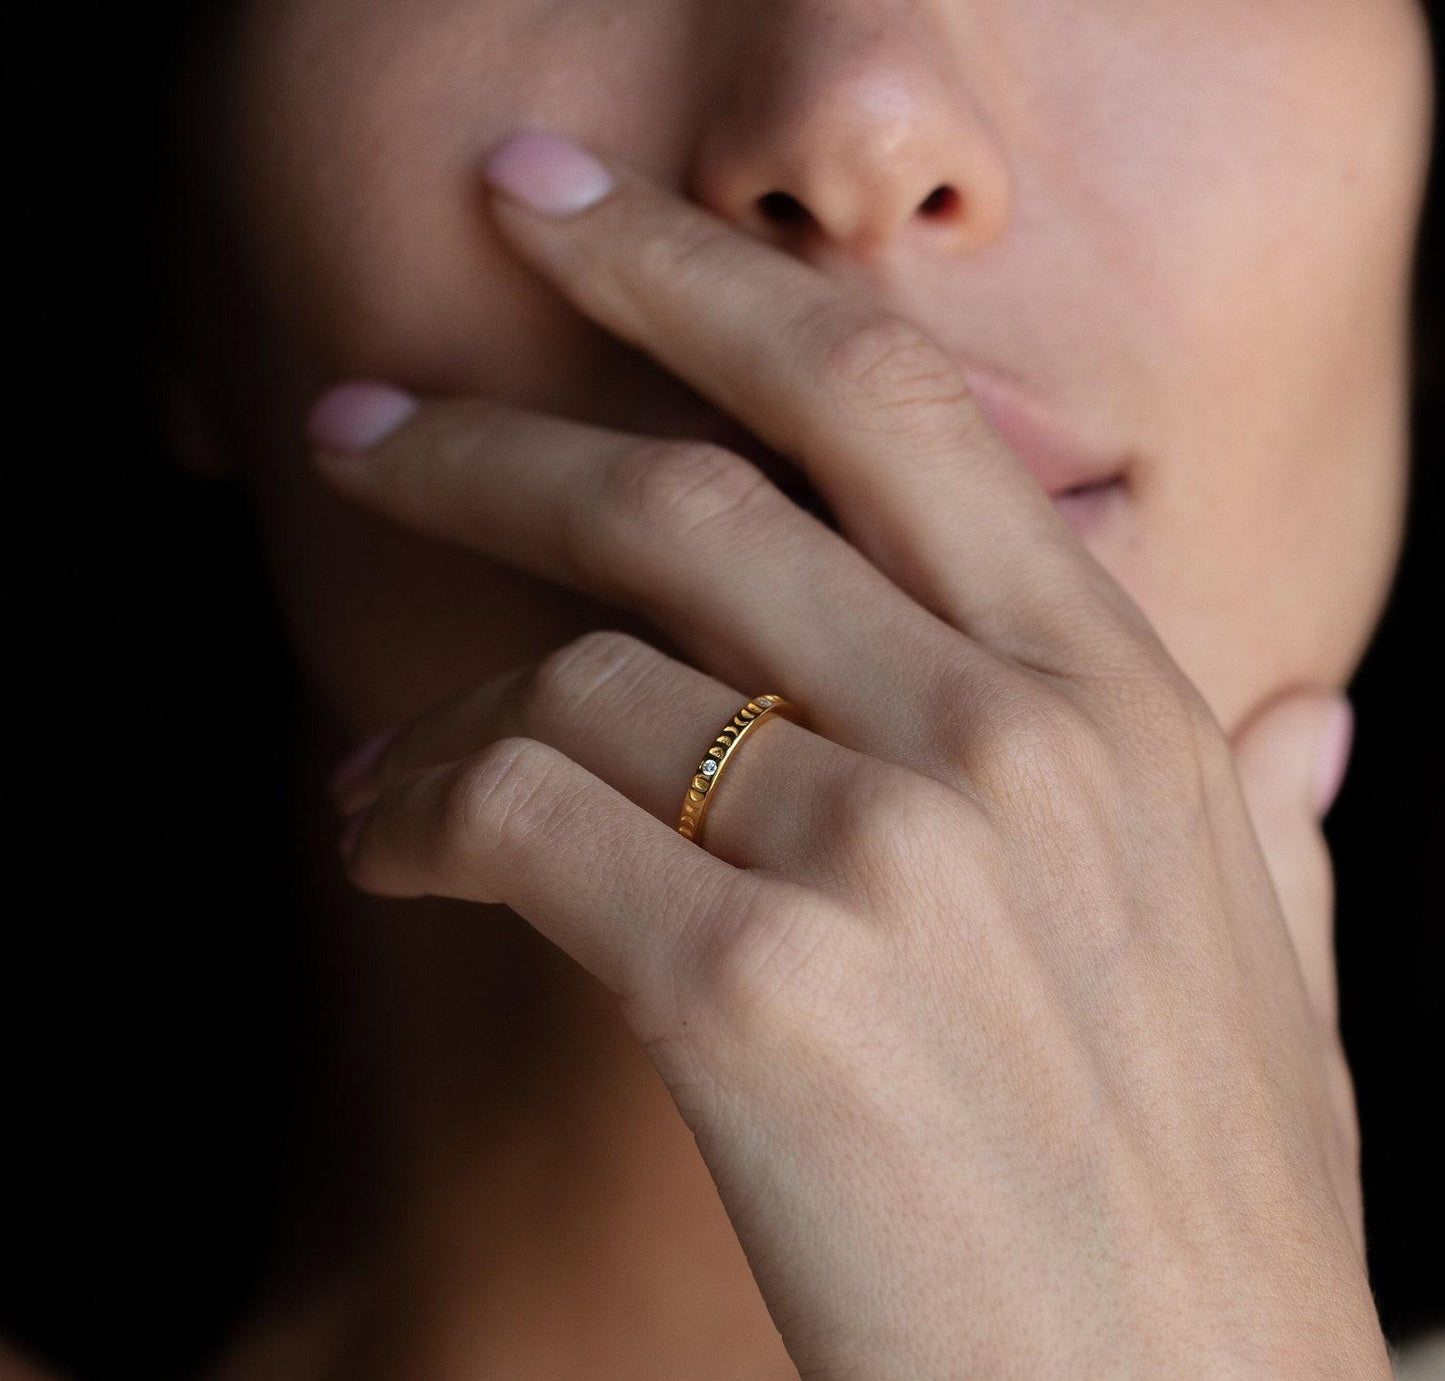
<point>699,791</point>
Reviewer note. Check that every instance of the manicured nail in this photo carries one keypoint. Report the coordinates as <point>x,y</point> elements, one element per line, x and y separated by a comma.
<point>356,416</point>
<point>547,173</point>
<point>1334,755</point>
<point>356,768</point>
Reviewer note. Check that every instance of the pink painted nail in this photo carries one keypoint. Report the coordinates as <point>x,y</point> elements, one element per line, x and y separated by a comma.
<point>1334,755</point>
<point>355,769</point>
<point>356,416</point>
<point>548,173</point>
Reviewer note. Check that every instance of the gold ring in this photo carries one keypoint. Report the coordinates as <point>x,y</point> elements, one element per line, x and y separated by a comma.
<point>704,782</point>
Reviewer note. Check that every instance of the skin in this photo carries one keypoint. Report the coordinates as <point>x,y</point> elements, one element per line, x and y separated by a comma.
<point>1176,225</point>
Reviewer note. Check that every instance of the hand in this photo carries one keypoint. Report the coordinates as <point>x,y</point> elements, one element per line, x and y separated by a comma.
<point>980,1000</point>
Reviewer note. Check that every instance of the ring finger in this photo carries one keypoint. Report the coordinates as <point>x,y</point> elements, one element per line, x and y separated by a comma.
<point>641,722</point>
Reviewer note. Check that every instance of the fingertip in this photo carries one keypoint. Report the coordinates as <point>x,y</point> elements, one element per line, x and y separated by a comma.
<point>1333,755</point>
<point>353,417</point>
<point>547,172</point>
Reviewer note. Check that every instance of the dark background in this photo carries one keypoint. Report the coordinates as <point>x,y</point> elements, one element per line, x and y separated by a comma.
<point>158,1049</point>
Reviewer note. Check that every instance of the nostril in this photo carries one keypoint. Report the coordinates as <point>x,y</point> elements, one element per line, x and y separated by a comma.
<point>783,209</point>
<point>942,201</point>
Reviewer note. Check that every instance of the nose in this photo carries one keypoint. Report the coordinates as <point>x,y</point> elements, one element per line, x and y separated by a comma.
<point>849,126</point>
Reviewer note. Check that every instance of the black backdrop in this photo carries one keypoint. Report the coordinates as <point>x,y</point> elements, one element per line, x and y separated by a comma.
<point>157,1040</point>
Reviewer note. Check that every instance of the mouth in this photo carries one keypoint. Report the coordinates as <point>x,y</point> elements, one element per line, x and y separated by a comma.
<point>1083,480</point>
<point>1084,488</point>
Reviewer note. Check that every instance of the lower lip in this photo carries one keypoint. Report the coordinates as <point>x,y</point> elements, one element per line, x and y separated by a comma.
<point>1085,509</point>
<point>1053,457</point>
<point>1088,508</point>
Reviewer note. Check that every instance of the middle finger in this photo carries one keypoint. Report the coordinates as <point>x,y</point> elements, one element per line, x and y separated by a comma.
<point>751,587</point>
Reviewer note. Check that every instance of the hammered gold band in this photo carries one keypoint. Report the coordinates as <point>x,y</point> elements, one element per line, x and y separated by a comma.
<point>704,782</point>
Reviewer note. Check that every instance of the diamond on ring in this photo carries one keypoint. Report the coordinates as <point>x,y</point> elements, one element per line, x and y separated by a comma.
<point>709,767</point>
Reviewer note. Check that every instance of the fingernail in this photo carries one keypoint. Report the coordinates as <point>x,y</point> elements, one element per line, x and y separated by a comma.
<point>356,416</point>
<point>354,769</point>
<point>548,173</point>
<point>350,830</point>
<point>1334,755</point>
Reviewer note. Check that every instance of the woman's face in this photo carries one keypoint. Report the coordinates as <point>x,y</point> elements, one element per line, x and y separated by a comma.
<point>1187,226</point>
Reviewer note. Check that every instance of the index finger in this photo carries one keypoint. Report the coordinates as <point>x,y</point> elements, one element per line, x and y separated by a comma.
<point>876,412</point>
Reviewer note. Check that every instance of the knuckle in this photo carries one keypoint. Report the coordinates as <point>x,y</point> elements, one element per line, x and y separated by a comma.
<point>885,827</point>
<point>766,965</point>
<point>1175,741</point>
<point>1171,709</point>
<point>882,362</point>
<point>1068,755</point>
<point>1155,705</point>
<point>1040,748</point>
<point>683,487</point>
<point>1068,752</point>
<point>969,707</point>
<point>494,798</point>
<point>570,678</point>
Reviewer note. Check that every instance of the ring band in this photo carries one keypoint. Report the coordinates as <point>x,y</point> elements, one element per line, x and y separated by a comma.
<point>704,782</point>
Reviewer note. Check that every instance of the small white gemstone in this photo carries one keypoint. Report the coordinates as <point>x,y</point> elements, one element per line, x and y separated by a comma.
<point>709,767</point>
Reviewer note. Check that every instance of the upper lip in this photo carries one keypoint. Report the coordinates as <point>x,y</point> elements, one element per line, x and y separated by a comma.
<point>1057,458</point>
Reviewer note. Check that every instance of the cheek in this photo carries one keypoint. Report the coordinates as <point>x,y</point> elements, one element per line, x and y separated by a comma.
<point>1273,578</point>
<point>354,131</point>
<point>1265,191</point>
<point>357,128</point>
